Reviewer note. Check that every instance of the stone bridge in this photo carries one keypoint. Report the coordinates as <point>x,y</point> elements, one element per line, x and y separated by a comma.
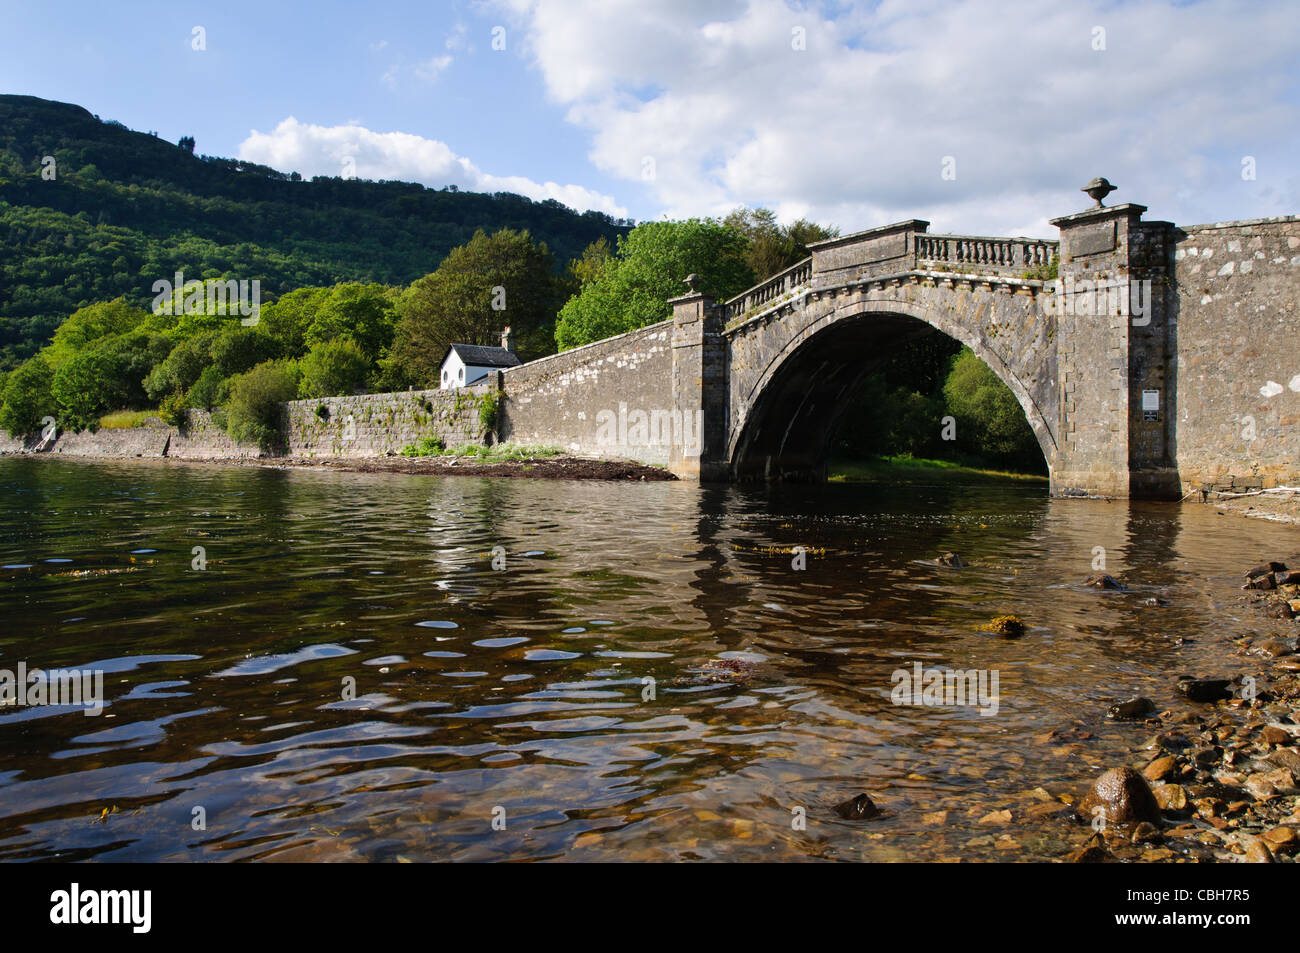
<point>1162,360</point>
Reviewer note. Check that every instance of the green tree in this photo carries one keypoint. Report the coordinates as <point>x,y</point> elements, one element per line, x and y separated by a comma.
<point>494,281</point>
<point>210,390</point>
<point>109,375</point>
<point>990,421</point>
<point>237,348</point>
<point>774,247</point>
<point>363,313</point>
<point>288,319</point>
<point>79,389</point>
<point>255,412</point>
<point>633,288</point>
<point>588,269</point>
<point>182,367</point>
<point>90,324</point>
<point>27,397</point>
<point>333,368</point>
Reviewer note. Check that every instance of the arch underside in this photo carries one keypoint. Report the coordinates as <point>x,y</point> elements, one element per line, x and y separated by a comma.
<point>786,434</point>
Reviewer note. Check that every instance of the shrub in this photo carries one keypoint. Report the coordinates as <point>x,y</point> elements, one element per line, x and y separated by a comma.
<point>333,368</point>
<point>487,410</point>
<point>254,413</point>
<point>175,409</point>
<point>1047,272</point>
<point>425,447</point>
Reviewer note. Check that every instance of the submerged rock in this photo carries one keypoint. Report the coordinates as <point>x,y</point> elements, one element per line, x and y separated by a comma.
<point>1274,735</point>
<point>1137,707</point>
<point>1122,796</point>
<point>1011,626</point>
<point>1171,797</point>
<point>1255,851</point>
<point>860,808</point>
<point>1205,689</point>
<point>1099,580</point>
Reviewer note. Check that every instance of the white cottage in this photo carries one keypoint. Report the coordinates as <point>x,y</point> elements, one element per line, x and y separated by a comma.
<point>463,364</point>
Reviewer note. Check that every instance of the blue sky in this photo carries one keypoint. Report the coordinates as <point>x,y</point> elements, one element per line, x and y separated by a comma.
<point>844,112</point>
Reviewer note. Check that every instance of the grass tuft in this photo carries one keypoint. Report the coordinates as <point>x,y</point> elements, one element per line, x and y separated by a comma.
<point>125,419</point>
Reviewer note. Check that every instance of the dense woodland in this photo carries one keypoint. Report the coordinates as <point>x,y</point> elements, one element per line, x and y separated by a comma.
<point>364,284</point>
<point>125,209</point>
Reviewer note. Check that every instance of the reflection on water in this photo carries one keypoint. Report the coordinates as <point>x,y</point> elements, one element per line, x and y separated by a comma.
<point>350,678</point>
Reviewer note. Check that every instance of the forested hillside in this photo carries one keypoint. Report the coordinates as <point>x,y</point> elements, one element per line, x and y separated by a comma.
<point>118,210</point>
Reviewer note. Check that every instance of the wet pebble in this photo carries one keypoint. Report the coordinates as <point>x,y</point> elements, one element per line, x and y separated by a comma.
<point>1122,796</point>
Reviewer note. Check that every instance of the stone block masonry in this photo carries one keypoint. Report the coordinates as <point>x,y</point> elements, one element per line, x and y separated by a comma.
<point>375,425</point>
<point>1237,325</point>
<point>202,439</point>
<point>555,400</point>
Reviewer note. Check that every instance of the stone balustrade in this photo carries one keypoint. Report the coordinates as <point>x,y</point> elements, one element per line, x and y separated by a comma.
<point>996,255</point>
<point>796,276</point>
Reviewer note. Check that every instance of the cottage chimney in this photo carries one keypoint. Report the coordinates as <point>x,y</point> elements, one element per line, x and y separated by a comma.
<point>508,340</point>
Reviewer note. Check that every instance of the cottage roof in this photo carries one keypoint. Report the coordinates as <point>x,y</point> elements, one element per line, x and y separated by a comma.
<point>476,355</point>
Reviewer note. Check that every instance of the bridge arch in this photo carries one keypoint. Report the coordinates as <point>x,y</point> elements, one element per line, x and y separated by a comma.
<point>793,372</point>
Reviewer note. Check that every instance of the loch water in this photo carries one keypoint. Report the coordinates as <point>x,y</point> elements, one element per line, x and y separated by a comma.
<point>381,667</point>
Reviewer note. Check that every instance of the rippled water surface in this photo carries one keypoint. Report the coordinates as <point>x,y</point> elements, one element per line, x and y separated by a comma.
<point>575,697</point>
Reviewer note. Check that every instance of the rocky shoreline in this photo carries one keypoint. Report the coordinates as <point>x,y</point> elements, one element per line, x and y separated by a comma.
<point>563,467</point>
<point>1278,505</point>
<point>1215,777</point>
<point>1219,777</point>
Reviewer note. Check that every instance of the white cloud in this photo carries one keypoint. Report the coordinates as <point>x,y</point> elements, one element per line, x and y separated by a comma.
<point>854,128</point>
<point>325,150</point>
<point>430,68</point>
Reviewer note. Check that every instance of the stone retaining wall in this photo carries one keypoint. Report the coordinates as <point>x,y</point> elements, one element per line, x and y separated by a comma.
<point>374,425</point>
<point>204,440</point>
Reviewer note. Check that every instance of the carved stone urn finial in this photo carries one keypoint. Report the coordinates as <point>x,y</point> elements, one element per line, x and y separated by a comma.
<point>693,282</point>
<point>1098,189</point>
